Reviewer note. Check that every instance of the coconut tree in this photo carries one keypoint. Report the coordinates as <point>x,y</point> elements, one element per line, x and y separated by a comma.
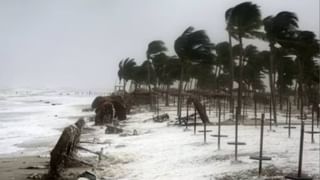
<point>286,71</point>
<point>170,74</point>
<point>125,71</point>
<point>192,46</point>
<point>306,47</point>
<point>243,21</point>
<point>223,61</point>
<point>154,48</point>
<point>278,29</point>
<point>230,32</point>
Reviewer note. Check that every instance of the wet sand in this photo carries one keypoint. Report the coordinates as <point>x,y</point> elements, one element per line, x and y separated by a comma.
<point>16,168</point>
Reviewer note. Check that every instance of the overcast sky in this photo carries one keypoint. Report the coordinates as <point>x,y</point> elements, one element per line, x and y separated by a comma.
<point>79,43</point>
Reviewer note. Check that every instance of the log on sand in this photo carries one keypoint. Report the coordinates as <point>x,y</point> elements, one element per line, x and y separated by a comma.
<point>65,150</point>
<point>200,108</point>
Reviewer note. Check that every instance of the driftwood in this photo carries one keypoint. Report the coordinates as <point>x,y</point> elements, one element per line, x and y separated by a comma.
<point>161,118</point>
<point>100,154</point>
<point>200,109</point>
<point>65,149</point>
<point>113,129</point>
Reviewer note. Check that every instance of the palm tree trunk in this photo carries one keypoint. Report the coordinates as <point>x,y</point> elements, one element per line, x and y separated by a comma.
<point>167,95</point>
<point>239,100</point>
<point>300,88</point>
<point>149,85</point>
<point>180,94</point>
<point>231,74</point>
<point>273,100</point>
<point>124,87</point>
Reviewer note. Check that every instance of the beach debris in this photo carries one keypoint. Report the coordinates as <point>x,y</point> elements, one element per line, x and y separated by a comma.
<point>100,154</point>
<point>161,118</point>
<point>113,129</point>
<point>87,110</point>
<point>104,113</point>
<point>36,167</point>
<point>200,108</point>
<point>87,176</point>
<point>94,141</point>
<point>65,150</point>
<point>34,176</point>
<point>120,105</point>
<point>135,132</point>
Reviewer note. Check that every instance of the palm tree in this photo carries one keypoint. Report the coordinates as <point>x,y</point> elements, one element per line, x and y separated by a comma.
<point>306,46</point>
<point>126,68</point>
<point>154,48</point>
<point>286,71</point>
<point>229,30</point>
<point>192,46</point>
<point>278,29</point>
<point>244,21</point>
<point>223,61</point>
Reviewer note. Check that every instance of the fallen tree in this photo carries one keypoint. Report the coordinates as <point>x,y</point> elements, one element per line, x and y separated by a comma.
<point>65,150</point>
<point>199,108</point>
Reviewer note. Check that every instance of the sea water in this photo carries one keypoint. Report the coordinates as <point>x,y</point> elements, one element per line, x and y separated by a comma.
<point>31,121</point>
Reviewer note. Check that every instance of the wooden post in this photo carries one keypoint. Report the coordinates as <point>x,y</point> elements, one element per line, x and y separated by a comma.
<point>255,111</point>
<point>301,149</point>
<point>205,132</point>
<point>187,115</point>
<point>289,129</point>
<point>270,110</point>
<point>287,112</point>
<point>195,120</point>
<point>261,158</point>
<point>224,108</point>
<point>219,126</point>
<point>209,106</point>
<point>299,176</point>
<point>236,134</point>
<point>261,144</point>
<point>318,115</point>
<point>312,125</point>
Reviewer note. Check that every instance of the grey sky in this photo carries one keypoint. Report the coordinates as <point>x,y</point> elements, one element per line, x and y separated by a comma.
<point>79,43</point>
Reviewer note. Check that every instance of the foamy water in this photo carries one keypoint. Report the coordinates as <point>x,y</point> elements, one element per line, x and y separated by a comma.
<point>31,120</point>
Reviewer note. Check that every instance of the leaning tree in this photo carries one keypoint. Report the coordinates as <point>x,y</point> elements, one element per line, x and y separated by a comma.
<point>126,68</point>
<point>278,29</point>
<point>192,46</point>
<point>154,48</point>
<point>243,21</point>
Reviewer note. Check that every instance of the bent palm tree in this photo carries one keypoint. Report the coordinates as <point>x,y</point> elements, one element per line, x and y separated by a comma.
<point>191,46</point>
<point>125,71</point>
<point>154,48</point>
<point>244,20</point>
<point>278,29</point>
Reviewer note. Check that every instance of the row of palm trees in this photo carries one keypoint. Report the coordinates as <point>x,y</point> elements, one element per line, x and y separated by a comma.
<point>215,67</point>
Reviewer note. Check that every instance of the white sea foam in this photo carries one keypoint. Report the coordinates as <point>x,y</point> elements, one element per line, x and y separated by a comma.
<point>30,115</point>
